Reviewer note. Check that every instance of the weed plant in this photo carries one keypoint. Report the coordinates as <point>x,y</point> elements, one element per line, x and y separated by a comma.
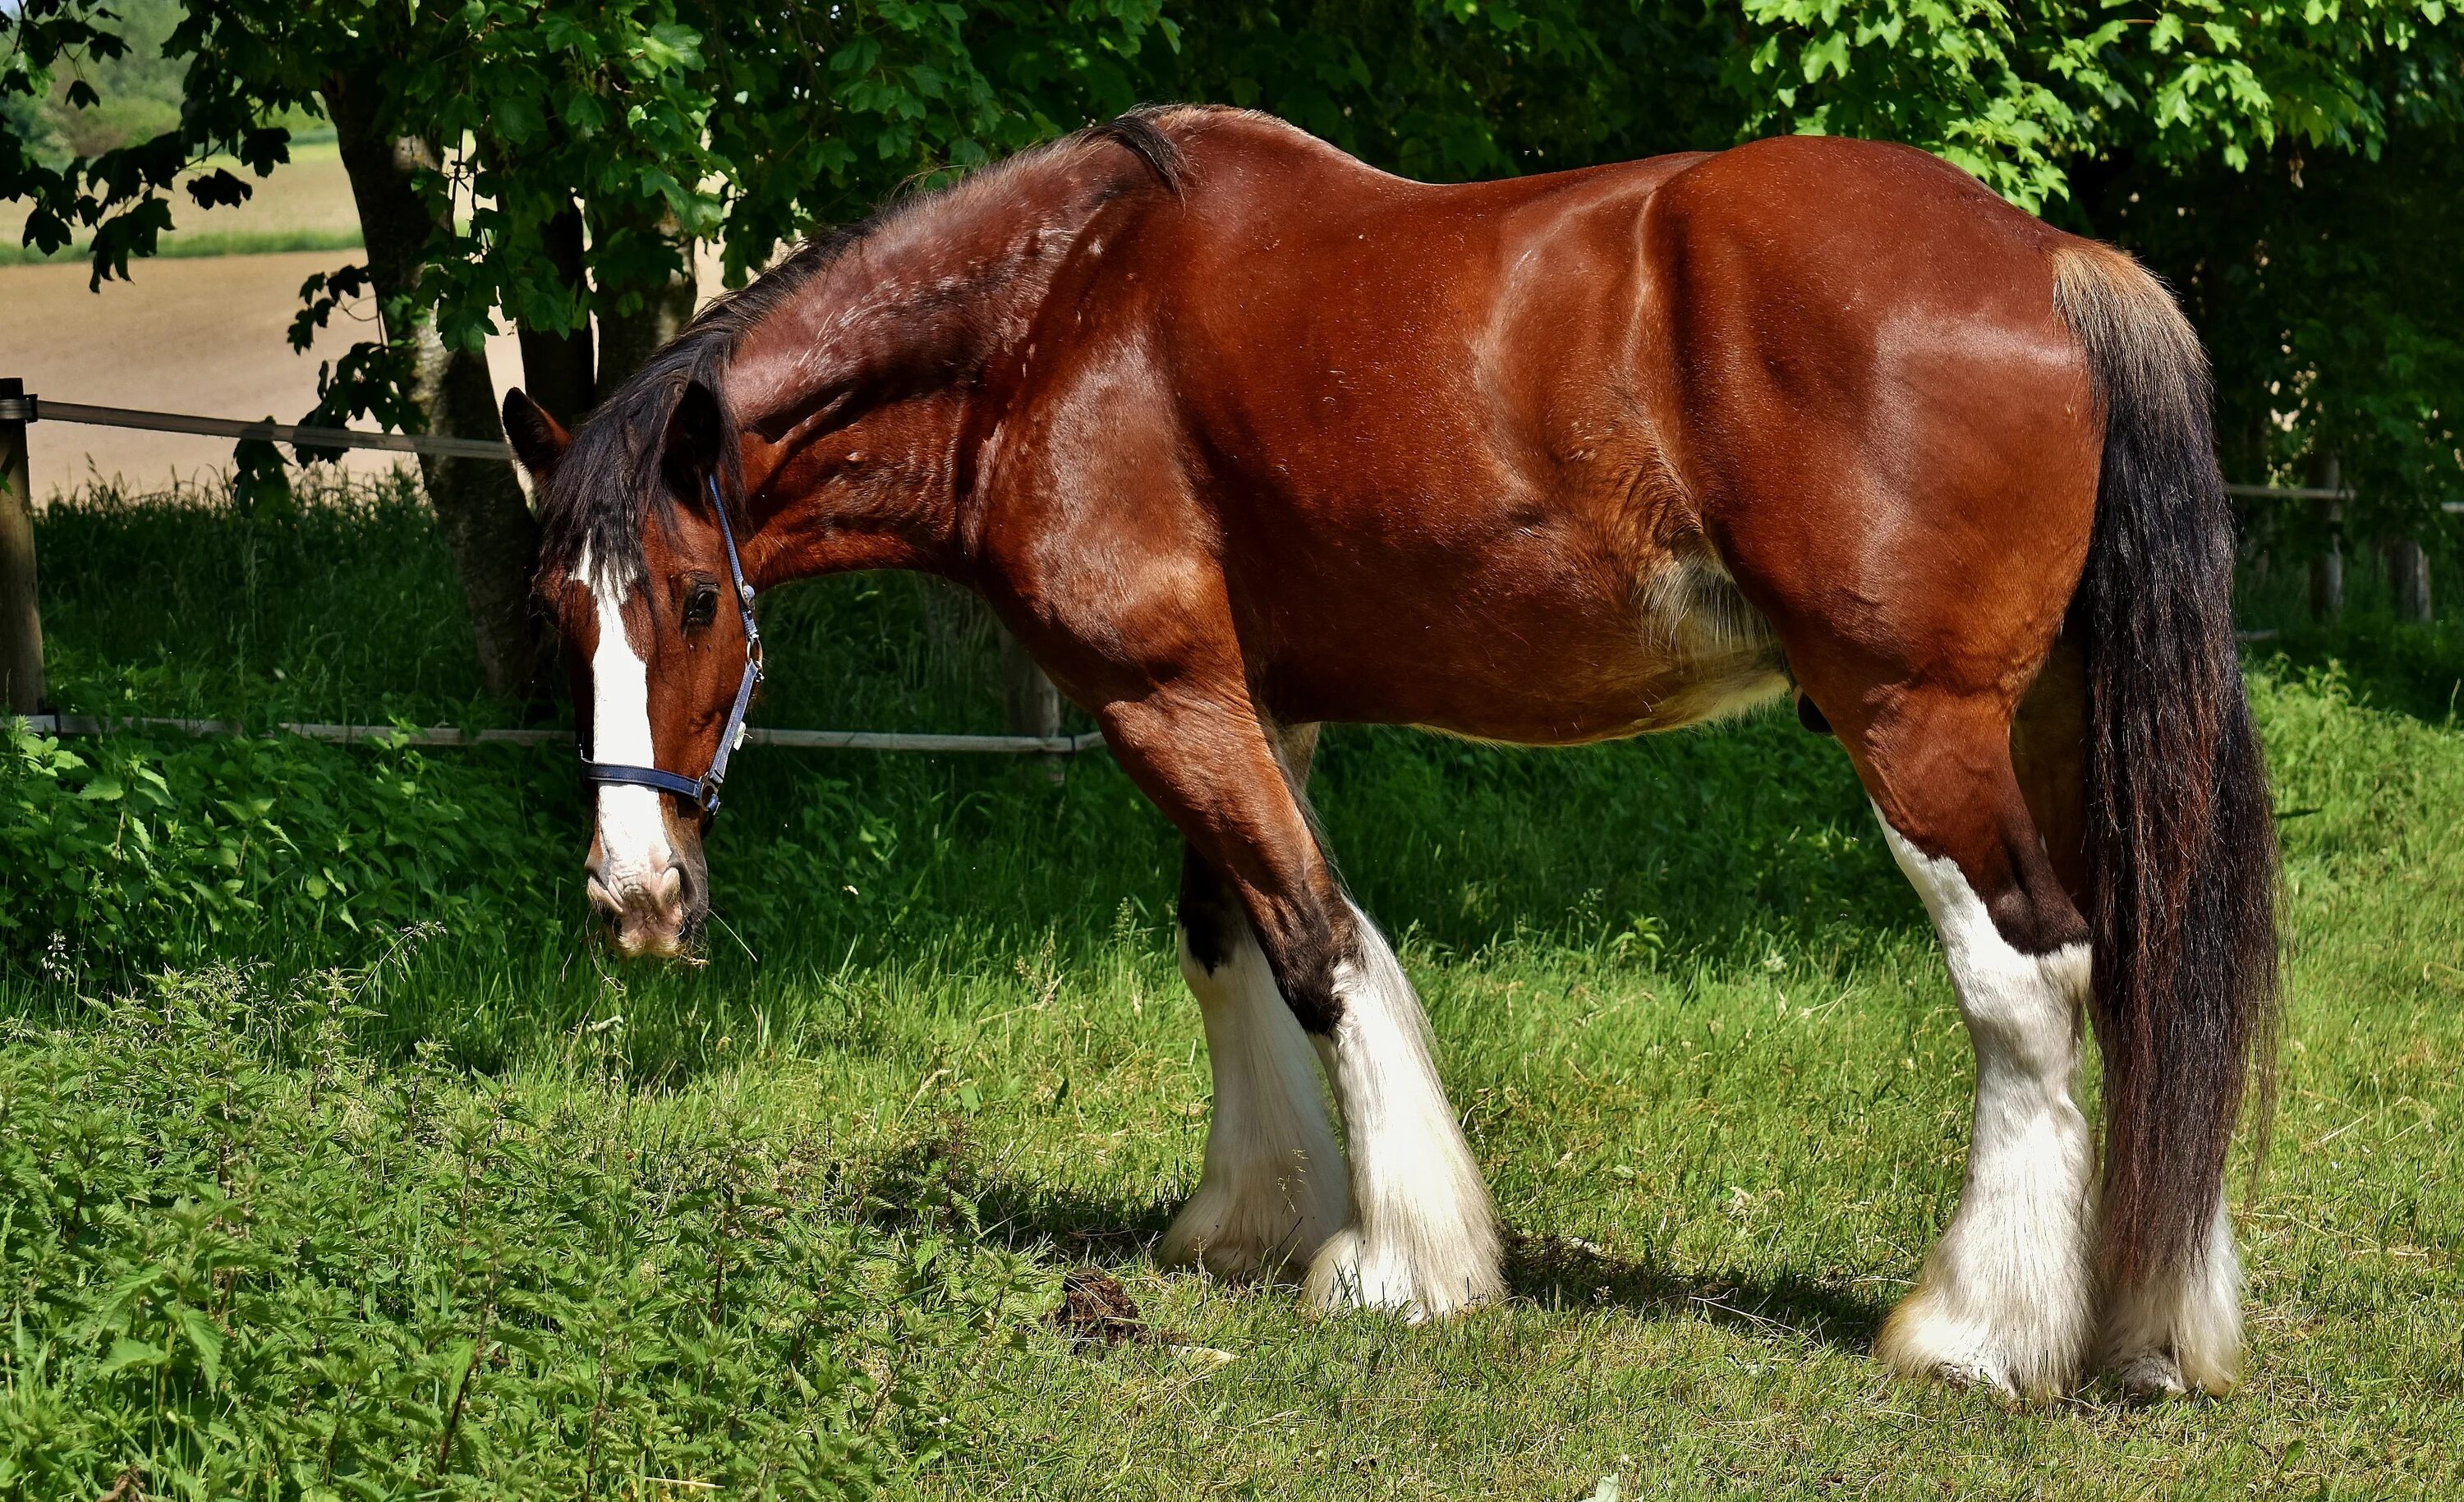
<point>242,1261</point>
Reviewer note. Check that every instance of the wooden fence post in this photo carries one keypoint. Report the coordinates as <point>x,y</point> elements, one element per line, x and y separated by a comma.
<point>21,622</point>
<point>2408,565</point>
<point>2328,567</point>
<point>1032,702</point>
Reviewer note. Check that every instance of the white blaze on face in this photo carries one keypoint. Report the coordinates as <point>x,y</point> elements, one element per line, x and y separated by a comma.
<point>633,848</point>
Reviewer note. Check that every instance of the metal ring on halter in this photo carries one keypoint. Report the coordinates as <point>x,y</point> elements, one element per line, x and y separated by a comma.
<point>702,790</point>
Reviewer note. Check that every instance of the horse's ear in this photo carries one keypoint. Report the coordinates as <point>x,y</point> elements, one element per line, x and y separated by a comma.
<point>696,429</point>
<point>539,440</point>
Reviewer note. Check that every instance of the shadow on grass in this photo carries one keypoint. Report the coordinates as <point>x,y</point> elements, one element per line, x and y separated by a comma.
<point>937,1179</point>
<point>930,1185</point>
<point>1561,1274</point>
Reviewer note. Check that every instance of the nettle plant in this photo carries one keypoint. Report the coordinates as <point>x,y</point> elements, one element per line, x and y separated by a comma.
<point>269,1265</point>
<point>122,854</point>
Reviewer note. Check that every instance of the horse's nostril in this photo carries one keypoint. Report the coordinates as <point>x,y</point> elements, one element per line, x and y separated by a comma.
<point>604,899</point>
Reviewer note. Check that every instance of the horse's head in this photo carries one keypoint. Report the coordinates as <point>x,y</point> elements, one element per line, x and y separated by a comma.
<point>656,646</point>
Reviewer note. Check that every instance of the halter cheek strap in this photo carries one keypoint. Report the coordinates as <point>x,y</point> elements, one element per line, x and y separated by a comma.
<point>703,791</point>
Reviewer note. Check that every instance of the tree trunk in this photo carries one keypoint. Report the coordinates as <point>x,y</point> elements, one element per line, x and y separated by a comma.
<point>2408,565</point>
<point>2328,567</point>
<point>488,525</point>
<point>557,368</point>
<point>627,339</point>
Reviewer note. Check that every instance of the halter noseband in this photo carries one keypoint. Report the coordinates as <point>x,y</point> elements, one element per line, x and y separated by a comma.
<point>703,791</point>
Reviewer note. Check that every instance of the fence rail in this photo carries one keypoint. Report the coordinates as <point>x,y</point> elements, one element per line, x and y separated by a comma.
<point>33,409</point>
<point>2316,492</point>
<point>455,735</point>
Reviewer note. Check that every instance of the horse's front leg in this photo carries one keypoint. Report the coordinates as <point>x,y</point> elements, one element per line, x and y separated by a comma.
<point>1421,1237</point>
<point>1273,1187</point>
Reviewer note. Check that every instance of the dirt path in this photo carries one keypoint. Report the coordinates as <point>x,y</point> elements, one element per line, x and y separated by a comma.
<point>202,336</point>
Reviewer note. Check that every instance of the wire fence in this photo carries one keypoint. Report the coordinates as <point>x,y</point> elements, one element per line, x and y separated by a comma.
<point>21,624</point>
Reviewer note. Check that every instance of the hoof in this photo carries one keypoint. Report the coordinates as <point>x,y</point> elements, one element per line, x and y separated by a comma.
<point>2150,1377</point>
<point>1922,1342</point>
<point>1976,1375</point>
<point>1350,1272</point>
<point>1244,1237</point>
<point>1228,1256</point>
<point>2179,1330</point>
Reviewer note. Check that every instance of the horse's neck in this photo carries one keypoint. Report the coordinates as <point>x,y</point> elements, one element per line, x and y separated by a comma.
<point>913,312</point>
<point>930,297</point>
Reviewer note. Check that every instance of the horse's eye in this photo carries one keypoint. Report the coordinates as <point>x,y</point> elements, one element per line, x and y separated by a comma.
<point>701,605</point>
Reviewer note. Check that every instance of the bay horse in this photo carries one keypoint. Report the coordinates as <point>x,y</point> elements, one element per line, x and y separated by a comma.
<point>1241,436</point>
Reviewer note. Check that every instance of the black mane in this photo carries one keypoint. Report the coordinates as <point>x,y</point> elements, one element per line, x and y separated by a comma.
<point>593,504</point>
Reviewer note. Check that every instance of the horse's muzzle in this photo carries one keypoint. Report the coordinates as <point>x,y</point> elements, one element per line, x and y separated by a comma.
<point>657,913</point>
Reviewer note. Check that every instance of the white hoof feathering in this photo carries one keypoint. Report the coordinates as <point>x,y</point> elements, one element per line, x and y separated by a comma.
<point>2180,1329</point>
<point>1423,1239</point>
<point>1273,1187</point>
<point>2006,1297</point>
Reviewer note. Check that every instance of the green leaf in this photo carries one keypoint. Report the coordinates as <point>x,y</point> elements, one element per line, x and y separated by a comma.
<point>205,1338</point>
<point>126,1353</point>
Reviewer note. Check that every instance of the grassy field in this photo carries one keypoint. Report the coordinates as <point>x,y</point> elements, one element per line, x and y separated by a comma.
<point>305,205</point>
<point>397,1185</point>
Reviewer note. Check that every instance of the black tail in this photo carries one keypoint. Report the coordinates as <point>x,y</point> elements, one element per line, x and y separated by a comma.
<point>2180,840</point>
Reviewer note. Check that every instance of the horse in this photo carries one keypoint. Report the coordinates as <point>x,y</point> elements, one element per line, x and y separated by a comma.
<point>1241,436</point>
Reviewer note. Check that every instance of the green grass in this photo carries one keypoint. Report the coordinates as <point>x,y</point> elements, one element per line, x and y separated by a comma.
<point>203,243</point>
<point>1700,1031</point>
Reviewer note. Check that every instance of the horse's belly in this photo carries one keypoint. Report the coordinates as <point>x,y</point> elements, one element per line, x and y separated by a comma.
<point>1689,650</point>
<point>1680,647</point>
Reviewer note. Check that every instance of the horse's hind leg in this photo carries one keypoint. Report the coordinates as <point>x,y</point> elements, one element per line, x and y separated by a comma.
<point>2007,1295</point>
<point>2175,1327</point>
<point>1421,1237</point>
<point>1273,1187</point>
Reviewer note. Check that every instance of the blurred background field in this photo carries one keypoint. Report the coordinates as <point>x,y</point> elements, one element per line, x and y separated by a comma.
<point>305,206</point>
<point>198,330</point>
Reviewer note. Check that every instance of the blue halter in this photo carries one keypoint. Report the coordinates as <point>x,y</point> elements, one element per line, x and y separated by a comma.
<point>703,791</point>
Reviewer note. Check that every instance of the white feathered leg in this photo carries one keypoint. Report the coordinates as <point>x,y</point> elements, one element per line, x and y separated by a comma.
<point>1273,1187</point>
<point>2181,1329</point>
<point>2006,1297</point>
<point>1424,1238</point>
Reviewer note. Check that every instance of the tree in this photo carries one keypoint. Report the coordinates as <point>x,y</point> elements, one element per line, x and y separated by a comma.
<point>552,166</point>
